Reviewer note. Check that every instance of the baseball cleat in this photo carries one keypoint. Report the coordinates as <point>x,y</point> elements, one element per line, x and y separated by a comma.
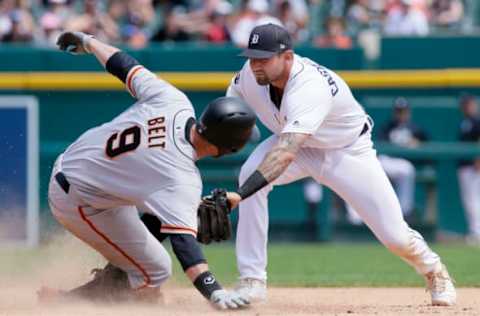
<point>254,289</point>
<point>109,284</point>
<point>441,288</point>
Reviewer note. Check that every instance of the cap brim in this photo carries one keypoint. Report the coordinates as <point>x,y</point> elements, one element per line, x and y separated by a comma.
<point>256,53</point>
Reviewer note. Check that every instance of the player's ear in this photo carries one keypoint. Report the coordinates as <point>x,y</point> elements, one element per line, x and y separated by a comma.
<point>288,54</point>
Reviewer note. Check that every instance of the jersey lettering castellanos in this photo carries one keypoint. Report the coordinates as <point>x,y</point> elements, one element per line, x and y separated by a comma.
<point>315,101</point>
<point>142,157</point>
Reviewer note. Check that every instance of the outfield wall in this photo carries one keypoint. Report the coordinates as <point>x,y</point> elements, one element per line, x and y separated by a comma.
<point>71,101</point>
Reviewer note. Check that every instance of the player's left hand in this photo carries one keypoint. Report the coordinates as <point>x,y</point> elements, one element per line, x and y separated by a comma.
<point>74,42</point>
<point>233,199</point>
<point>222,299</point>
<point>213,218</point>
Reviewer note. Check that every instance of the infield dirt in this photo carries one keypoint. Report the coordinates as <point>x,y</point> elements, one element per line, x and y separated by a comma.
<point>66,263</point>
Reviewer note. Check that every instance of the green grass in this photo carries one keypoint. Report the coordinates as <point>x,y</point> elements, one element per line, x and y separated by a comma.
<point>362,264</point>
<point>346,265</point>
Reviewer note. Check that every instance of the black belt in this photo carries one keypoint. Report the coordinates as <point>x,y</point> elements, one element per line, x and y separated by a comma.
<point>62,182</point>
<point>366,126</point>
<point>364,129</point>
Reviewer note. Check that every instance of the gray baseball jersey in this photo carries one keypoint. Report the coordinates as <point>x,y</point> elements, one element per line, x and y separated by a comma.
<point>142,157</point>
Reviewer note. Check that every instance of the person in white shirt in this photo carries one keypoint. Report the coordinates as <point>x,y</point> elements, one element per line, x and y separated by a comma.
<point>319,131</point>
<point>256,13</point>
<point>406,20</point>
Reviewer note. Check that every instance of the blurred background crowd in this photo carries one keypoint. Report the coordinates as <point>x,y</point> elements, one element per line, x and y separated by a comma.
<point>323,23</point>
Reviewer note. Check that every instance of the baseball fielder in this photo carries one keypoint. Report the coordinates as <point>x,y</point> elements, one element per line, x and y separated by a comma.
<point>143,160</point>
<point>319,130</point>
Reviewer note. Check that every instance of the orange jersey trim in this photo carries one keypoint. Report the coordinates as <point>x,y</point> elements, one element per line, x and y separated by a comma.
<point>116,247</point>
<point>130,76</point>
<point>178,229</point>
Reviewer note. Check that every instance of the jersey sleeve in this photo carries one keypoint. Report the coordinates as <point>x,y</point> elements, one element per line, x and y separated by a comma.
<point>306,108</point>
<point>176,207</point>
<point>143,84</point>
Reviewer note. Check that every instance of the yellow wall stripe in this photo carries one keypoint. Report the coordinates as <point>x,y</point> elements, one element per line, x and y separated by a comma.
<point>217,81</point>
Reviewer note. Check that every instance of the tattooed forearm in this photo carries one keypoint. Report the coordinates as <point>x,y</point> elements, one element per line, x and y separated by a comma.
<point>274,164</point>
<point>281,155</point>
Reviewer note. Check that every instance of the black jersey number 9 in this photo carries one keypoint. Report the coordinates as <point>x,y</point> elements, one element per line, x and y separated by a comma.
<point>129,140</point>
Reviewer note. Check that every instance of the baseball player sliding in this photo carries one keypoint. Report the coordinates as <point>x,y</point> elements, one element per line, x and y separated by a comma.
<point>319,130</point>
<point>143,160</point>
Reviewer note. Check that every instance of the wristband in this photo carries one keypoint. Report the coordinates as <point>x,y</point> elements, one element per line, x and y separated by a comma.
<point>254,183</point>
<point>206,284</point>
<point>85,42</point>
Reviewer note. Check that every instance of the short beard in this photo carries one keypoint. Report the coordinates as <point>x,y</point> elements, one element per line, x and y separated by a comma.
<point>262,81</point>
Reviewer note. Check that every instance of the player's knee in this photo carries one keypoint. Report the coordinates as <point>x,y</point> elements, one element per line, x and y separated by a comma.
<point>161,271</point>
<point>163,266</point>
<point>167,266</point>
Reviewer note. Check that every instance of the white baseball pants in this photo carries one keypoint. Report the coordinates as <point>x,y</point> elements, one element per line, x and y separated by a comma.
<point>402,174</point>
<point>356,175</point>
<point>117,233</point>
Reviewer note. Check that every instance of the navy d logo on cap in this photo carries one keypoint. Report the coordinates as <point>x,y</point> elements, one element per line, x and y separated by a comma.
<point>266,41</point>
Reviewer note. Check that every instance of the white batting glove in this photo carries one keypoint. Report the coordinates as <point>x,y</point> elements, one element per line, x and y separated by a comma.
<point>223,299</point>
<point>74,42</point>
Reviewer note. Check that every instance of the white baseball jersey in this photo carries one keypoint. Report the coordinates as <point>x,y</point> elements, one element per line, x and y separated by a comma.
<point>315,101</point>
<point>318,102</point>
<point>141,157</point>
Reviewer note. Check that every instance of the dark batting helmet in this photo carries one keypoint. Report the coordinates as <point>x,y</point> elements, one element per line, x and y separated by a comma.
<point>227,123</point>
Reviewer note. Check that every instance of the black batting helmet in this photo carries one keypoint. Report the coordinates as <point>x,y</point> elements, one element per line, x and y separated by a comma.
<point>227,123</point>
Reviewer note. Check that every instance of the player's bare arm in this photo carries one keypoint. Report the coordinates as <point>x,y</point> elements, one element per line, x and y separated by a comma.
<point>281,155</point>
<point>113,59</point>
<point>272,166</point>
<point>81,43</point>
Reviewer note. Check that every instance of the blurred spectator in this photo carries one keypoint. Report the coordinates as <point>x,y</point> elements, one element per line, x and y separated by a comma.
<point>447,14</point>
<point>112,21</point>
<point>365,14</point>
<point>137,22</point>
<point>53,20</point>
<point>140,23</point>
<point>6,7</point>
<point>365,23</point>
<point>469,170</point>
<point>217,31</point>
<point>172,29</point>
<point>406,19</point>
<point>21,24</point>
<point>293,14</point>
<point>335,35</point>
<point>255,13</point>
<point>87,21</point>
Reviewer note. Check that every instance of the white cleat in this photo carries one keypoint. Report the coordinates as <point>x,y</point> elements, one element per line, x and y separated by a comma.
<point>254,289</point>
<point>440,285</point>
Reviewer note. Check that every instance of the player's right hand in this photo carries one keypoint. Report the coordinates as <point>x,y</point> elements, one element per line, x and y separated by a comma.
<point>222,299</point>
<point>74,42</point>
